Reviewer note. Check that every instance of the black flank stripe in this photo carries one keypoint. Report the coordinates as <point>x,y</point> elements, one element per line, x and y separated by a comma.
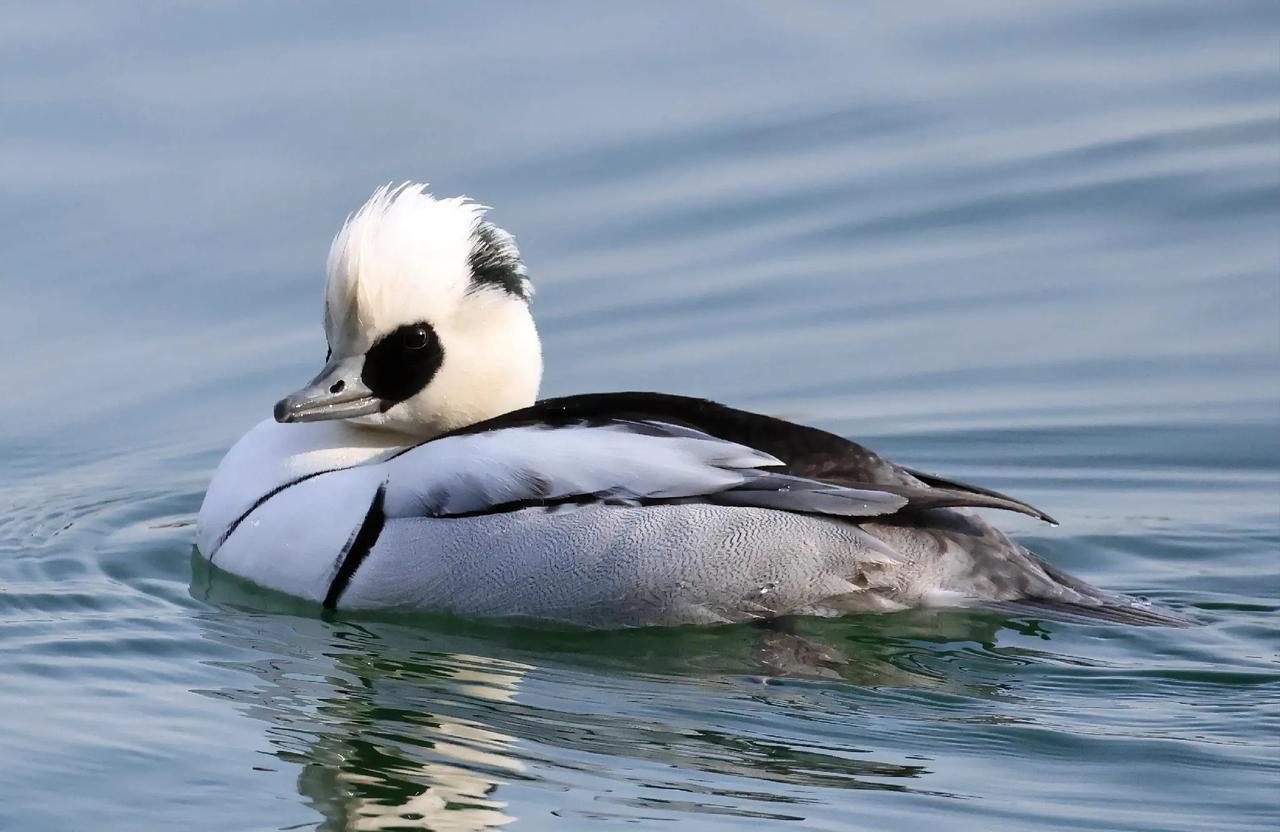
<point>359,548</point>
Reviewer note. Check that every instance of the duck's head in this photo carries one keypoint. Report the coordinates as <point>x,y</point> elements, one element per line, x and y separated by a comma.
<point>426,313</point>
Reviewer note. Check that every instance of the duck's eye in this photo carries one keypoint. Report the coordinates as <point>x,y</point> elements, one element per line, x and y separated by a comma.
<point>402,362</point>
<point>415,338</point>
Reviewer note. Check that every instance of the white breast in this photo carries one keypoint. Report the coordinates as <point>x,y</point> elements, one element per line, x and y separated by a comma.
<point>284,547</point>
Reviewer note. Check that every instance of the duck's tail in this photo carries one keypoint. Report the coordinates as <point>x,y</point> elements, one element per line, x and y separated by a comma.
<point>1119,609</point>
<point>1086,603</point>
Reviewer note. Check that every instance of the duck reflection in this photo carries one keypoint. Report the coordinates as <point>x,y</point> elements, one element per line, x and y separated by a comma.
<point>455,725</point>
<point>386,767</point>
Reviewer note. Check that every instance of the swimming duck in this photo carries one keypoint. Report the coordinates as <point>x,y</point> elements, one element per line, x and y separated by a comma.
<point>419,471</point>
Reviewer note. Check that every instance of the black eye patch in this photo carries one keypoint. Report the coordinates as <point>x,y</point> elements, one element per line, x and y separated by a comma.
<point>400,363</point>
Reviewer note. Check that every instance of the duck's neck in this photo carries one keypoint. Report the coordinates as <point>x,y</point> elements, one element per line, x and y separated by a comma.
<point>359,433</point>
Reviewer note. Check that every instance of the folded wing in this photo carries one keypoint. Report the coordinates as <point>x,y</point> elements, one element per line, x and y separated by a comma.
<point>806,452</point>
<point>630,461</point>
<point>622,461</point>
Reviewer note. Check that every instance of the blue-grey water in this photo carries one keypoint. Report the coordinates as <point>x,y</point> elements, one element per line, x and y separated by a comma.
<point>1033,246</point>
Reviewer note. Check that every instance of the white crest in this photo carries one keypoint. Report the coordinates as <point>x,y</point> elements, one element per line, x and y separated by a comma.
<point>404,253</point>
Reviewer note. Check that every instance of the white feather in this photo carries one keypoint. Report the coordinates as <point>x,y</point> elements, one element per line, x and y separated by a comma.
<point>401,254</point>
<point>272,455</point>
<point>474,472</point>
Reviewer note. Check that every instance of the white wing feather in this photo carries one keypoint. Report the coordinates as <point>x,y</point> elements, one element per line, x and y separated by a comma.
<point>622,461</point>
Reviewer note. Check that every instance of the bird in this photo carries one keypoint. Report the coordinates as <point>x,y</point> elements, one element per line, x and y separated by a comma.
<point>419,471</point>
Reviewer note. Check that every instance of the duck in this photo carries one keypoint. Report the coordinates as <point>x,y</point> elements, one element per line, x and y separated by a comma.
<point>419,471</point>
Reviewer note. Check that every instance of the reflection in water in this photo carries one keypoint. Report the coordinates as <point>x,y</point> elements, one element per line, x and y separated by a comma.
<point>379,767</point>
<point>423,724</point>
<point>374,753</point>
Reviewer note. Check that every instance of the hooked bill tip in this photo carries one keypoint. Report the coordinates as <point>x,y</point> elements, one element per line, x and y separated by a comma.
<point>281,411</point>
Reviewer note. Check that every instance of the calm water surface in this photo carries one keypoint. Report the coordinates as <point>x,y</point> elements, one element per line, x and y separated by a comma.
<point>1035,247</point>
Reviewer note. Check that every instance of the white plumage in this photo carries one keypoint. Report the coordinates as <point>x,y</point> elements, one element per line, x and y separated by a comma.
<point>424,476</point>
<point>402,252</point>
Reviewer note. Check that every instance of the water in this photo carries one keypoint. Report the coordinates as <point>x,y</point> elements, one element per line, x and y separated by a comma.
<point>1031,247</point>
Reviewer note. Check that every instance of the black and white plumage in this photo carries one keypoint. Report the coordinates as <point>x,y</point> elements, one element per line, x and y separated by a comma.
<point>424,476</point>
